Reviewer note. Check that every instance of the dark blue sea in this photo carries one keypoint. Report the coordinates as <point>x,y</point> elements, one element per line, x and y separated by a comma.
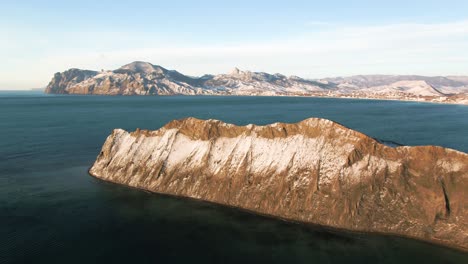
<point>51,211</point>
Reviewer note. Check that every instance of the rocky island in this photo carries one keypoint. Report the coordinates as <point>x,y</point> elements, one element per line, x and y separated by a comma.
<point>143,78</point>
<point>315,171</point>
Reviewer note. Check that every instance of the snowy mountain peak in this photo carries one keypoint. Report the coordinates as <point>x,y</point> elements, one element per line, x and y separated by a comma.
<point>142,67</point>
<point>235,71</point>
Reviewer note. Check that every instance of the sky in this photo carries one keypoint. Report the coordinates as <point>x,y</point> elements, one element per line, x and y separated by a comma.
<point>311,39</point>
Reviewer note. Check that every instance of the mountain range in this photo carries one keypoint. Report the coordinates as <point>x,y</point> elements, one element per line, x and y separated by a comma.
<point>143,78</point>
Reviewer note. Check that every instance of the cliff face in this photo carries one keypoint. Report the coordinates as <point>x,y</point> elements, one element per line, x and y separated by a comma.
<point>62,82</point>
<point>315,171</point>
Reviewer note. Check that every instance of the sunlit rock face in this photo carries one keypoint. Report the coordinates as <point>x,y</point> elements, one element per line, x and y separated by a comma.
<point>314,171</point>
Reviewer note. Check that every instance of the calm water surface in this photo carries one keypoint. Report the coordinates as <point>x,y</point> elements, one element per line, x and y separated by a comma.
<point>51,211</point>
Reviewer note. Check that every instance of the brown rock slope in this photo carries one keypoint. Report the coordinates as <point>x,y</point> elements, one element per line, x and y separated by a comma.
<point>314,171</point>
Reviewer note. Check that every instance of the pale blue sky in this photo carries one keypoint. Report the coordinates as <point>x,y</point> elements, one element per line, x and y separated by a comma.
<point>307,38</point>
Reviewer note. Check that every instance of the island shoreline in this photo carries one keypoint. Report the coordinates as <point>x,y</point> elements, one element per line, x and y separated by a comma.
<point>450,246</point>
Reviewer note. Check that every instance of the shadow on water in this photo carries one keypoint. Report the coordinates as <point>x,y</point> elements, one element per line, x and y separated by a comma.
<point>78,219</point>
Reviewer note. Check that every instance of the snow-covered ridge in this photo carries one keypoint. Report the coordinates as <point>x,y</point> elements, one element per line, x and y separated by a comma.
<point>212,128</point>
<point>143,78</point>
<point>314,171</point>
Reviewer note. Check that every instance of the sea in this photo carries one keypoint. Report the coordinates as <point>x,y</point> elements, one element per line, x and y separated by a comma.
<point>52,211</point>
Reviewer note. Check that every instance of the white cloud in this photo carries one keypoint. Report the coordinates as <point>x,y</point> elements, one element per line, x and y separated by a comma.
<point>429,49</point>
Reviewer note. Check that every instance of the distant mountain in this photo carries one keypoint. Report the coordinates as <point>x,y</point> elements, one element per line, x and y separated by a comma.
<point>379,80</point>
<point>143,78</point>
<point>415,88</point>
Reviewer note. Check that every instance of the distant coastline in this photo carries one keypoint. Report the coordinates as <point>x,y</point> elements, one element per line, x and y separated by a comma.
<point>292,96</point>
<point>143,78</point>
<point>38,89</point>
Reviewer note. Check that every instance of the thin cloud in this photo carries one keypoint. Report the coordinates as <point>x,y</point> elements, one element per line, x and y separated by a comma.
<point>428,49</point>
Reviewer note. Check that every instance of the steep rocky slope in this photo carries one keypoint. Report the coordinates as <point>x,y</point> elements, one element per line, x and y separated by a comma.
<point>64,83</point>
<point>314,171</point>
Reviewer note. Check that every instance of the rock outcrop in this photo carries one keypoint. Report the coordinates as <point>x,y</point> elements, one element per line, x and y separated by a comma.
<point>315,171</point>
<point>64,83</point>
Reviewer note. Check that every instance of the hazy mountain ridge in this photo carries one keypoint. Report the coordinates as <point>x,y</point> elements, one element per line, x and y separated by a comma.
<point>380,80</point>
<point>143,78</point>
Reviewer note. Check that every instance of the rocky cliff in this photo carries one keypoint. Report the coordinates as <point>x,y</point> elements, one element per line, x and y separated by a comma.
<point>64,83</point>
<point>314,171</point>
